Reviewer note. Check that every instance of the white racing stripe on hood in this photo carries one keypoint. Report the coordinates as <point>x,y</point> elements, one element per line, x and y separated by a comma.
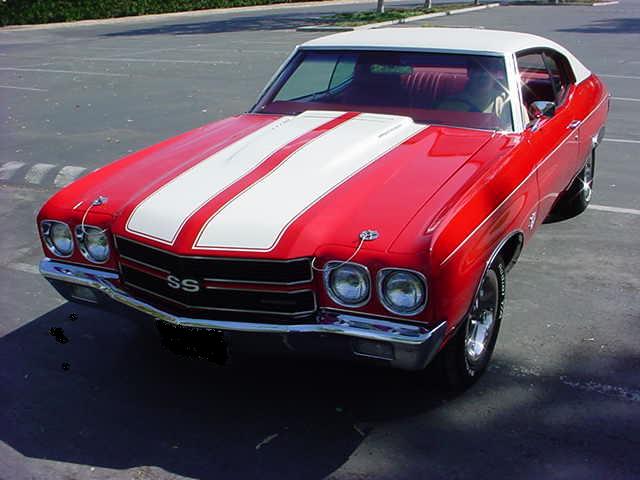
<point>162,214</point>
<point>256,219</point>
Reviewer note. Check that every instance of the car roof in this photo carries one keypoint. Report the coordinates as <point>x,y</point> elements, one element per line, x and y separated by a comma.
<point>439,39</point>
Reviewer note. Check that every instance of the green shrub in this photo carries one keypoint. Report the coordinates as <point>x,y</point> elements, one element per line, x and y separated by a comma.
<point>20,12</point>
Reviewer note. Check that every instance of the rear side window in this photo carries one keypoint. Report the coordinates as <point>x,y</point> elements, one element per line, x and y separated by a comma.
<point>558,76</point>
<point>543,76</point>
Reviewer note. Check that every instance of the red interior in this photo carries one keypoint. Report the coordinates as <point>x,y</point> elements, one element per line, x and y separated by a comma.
<point>536,86</point>
<point>422,90</point>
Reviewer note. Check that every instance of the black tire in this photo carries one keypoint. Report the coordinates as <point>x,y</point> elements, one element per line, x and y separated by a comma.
<point>459,367</point>
<point>576,199</point>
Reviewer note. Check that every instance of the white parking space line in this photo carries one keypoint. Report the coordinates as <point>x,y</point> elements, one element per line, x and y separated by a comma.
<point>40,64</point>
<point>71,172</point>
<point>73,72</point>
<point>36,174</point>
<point>622,393</point>
<point>629,77</point>
<point>9,169</point>
<point>31,89</point>
<point>137,51</point>
<point>199,49</point>
<point>626,99</point>
<point>67,174</point>
<point>620,140</point>
<point>604,208</point>
<point>23,267</point>
<point>616,391</point>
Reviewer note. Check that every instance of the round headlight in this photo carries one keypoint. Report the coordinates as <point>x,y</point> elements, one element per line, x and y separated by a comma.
<point>94,244</point>
<point>348,284</point>
<point>402,292</point>
<point>57,236</point>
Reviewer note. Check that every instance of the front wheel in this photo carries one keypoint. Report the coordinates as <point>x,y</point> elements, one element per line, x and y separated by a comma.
<point>466,357</point>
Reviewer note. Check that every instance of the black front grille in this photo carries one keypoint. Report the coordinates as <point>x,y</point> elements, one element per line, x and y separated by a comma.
<point>163,280</point>
<point>281,272</point>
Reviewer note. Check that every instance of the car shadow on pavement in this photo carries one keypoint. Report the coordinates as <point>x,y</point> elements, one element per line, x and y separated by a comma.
<point>238,24</point>
<point>99,390</point>
<point>608,25</point>
<point>110,396</point>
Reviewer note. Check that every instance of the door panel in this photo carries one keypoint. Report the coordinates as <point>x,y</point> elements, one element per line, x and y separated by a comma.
<point>554,141</point>
<point>556,147</point>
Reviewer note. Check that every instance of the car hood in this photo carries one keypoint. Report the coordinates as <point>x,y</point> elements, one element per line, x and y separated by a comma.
<point>275,186</point>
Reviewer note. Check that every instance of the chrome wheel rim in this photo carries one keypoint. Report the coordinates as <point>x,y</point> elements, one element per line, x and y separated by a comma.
<point>482,319</point>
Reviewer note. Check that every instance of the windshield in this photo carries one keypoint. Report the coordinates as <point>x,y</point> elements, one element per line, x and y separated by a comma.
<point>450,89</point>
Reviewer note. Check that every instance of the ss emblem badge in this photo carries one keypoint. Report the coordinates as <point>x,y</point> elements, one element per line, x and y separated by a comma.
<point>187,285</point>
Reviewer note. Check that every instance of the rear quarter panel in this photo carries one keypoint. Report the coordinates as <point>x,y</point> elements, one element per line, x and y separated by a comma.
<point>592,107</point>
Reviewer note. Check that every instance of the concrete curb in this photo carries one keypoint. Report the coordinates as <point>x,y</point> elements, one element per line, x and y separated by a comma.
<point>544,3</point>
<point>335,28</point>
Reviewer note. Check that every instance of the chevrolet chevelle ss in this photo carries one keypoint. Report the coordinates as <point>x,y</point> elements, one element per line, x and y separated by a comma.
<point>369,205</point>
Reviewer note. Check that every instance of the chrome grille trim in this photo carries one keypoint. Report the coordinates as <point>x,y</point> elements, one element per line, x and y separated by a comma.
<point>222,309</point>
<point>220,279</point>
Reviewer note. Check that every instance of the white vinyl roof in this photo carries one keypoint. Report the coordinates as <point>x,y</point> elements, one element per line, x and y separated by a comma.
<point>453,40</point>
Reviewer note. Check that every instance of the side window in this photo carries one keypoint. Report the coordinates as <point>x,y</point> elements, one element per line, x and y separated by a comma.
<point>535,80</point>
<point>557,72</point>
<point>543,76</point>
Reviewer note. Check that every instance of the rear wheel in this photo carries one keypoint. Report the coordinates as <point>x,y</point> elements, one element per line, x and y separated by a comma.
<point>466,357</point>
<point>577,198</point>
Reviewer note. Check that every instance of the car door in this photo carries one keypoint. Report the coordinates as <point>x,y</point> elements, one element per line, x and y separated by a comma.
<point>554,140</point>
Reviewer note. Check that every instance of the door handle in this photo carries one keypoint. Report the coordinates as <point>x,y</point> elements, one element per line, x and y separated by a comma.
<point>574,124</point>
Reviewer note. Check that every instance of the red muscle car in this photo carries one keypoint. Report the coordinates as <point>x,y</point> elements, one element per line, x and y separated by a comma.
<point>369,205</point>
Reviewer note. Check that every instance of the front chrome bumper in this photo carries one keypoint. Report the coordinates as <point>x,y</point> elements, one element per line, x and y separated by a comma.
<point>410,347</point>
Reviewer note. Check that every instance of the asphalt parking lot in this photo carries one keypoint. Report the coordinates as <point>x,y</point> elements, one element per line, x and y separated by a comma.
<point>560,401</point>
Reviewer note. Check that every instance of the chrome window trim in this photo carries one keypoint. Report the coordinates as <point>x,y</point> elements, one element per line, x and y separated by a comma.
<point>83,250</point>
<point>325,281</point>
<point>45,234</point>
<point>384,273</point>
<point>204,257</point>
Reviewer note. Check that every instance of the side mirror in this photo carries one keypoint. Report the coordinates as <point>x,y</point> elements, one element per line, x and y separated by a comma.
<point>538,110</point>
<point>542,108</point>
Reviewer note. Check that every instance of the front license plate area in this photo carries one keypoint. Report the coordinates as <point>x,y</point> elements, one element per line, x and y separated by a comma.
<point>195,343</point>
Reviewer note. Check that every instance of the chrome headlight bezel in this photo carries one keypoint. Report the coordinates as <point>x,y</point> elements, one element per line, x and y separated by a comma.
<point>383,276</point>
<point>46,227</point>
<point>331,267</point>
<point>84,231</point>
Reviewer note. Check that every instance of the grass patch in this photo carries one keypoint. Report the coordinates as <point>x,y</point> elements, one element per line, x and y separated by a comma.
<point>21,12</point>
<point>362,18</point>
